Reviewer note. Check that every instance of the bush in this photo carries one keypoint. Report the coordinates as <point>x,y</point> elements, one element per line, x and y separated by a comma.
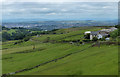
<point>6,36</point>
<point>86,40</point>
<point>55,29</point>
<point>26,38</point>
<point>54,33</point>
<point>87,36</point>
<point>20,41</point>
<point>81,42</point>
<point>102,39</point>
<point>94,39</point>
<point>114,34</point>
<point>4,28</point>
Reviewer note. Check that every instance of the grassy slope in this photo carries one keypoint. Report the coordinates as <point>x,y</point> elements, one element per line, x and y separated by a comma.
<point>50,53</point>
<point>9,31</point>
<point>95,59</point>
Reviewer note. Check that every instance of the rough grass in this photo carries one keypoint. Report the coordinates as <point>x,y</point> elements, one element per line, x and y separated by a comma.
<point>21,61</point>
<point>92,61</point>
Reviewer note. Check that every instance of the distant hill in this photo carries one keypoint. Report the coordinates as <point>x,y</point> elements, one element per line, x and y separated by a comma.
<point>20,20</point>
<point>49,24</point>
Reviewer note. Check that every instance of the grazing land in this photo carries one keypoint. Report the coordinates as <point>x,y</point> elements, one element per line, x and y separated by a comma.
<point>60,52</point>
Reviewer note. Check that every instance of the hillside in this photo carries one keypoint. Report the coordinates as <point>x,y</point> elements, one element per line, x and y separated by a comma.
<point>54,54</point>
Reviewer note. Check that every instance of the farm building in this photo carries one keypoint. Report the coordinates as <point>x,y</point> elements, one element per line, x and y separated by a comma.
<point>100,34</point>
<point>109,30</point>
<point>87,32</point>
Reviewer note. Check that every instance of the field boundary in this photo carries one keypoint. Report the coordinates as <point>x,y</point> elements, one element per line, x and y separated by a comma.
<point>54,60</point>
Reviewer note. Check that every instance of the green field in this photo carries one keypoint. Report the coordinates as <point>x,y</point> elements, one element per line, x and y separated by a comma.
<point>10,31</point>
<point>95,60</point>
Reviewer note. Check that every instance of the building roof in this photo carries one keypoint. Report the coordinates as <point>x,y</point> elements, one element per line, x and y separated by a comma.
<point>104,34</point>
<point>87,32</point>
<point>110,29</point>
<point>94,32</point>
<point>107,30</point>
<point>99,32</point>
<point>113,28</point>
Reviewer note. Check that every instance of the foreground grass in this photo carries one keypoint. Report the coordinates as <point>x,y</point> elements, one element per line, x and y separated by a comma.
<point>21,61</point>
<point>93,61</point>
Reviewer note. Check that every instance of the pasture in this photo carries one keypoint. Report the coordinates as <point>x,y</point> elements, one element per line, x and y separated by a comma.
<point>96,60</point>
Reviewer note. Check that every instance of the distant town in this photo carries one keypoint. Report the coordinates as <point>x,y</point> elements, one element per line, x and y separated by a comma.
<point>50,25</point>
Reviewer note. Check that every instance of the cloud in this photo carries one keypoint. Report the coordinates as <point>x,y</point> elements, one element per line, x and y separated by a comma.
<point>64,10</point>
<point>59,1</point>
<point>60,10</point>
<point>51,14</point>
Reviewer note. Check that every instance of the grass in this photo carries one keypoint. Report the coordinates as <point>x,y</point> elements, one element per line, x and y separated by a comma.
<point>70,32</point>
<point>9,31</point>
<point>36,57</point>
<point>92,61</point>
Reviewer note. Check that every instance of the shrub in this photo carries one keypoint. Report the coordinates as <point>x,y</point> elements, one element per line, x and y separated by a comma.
<point>87,36</point>
<point>94,39</point>
<point>114,34</point>
<point>6,36</point>
<point>20,41</point>
<point>55,29</point>
<point>54,33</point>
<point>86,40</point>
<point>102,39</point>
<point>26,38</point>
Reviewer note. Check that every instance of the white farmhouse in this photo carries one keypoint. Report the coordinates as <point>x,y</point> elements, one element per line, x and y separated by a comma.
<point>87,32</point>
<point>100,34</point>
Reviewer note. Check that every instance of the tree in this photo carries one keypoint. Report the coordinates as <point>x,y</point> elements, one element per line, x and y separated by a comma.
<point>95,39</point>
<point>102,39</point>
<point>5,28</point>
<point>6,36</point>
<point>27,38</point>
<point>47,39</point>
<point>87,36</point>
<point>114,34</point>
<point>118,26</point>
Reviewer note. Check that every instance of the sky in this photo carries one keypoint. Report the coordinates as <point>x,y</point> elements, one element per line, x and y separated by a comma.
<point>59,10</point>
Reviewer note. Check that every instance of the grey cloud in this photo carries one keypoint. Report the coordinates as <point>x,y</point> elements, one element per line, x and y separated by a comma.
<point>72,8</point>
